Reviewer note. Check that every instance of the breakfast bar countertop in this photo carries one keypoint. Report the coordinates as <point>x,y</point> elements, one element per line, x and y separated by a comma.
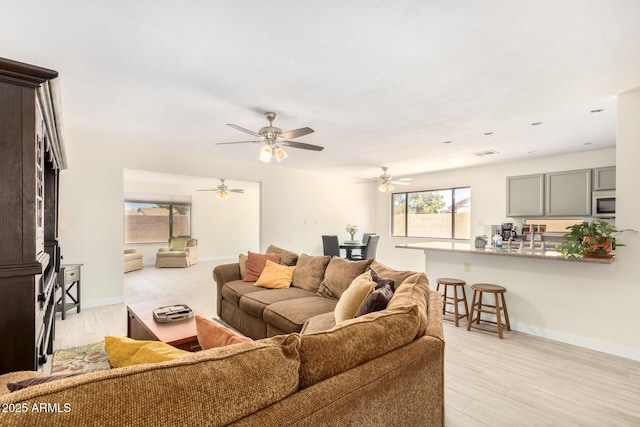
<point>465,247</point>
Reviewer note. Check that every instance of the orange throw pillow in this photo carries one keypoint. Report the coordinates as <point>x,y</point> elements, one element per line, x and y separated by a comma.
<point>212,334</point>
<point>256,263</point>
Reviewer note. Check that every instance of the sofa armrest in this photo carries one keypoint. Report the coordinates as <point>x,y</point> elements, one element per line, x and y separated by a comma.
<point>222,274</point>
<point>164,250</point>
<point>434,315</point>
<point>130,251</point>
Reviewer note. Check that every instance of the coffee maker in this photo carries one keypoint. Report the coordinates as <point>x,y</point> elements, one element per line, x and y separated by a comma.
<point>508,231</point>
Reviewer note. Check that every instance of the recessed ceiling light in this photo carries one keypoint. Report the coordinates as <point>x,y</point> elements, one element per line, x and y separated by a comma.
<point>448,142</point>
<point>599,110</point>
<point>588,143</point>
<point>536,123</point>
<point>485,153</point>
<point>531,152</point>
<point>488,133</point>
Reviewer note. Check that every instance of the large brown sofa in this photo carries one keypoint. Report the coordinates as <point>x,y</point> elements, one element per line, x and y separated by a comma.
<point>383,368</point>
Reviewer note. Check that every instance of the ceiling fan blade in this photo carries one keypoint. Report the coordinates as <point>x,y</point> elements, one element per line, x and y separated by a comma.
<point>236,190</point>
<point>209,189</point>
<point>241,129</point>
<point>404,179</point>
<point>302,145</point>
<point>290,134</point>
<point>236,142</point>
<point>399,183</point>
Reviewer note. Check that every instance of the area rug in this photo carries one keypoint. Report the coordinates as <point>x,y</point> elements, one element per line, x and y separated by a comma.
<point>86,358</point>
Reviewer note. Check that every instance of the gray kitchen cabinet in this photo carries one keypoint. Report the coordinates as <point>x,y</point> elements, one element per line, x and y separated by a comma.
<point>568,193</point>
<point>604,178</point>
<point>525,195</point>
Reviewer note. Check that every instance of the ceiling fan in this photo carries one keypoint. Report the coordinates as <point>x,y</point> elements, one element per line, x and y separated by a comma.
<point>223,190</point>
<point>385,181</point>
<point>273,137</point>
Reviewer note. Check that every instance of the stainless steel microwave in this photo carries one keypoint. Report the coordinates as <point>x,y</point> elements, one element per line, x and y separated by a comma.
<point>603,204</point>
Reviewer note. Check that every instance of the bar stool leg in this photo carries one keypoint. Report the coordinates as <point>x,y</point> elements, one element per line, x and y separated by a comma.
<point>479,307</point>
<point>498,319</point>
<point>473,305</point>
<point>506,313</point>
<point>455,304</point>
<point>466,305</point>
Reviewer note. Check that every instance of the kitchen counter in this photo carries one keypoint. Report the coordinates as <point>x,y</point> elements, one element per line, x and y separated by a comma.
<point>460,247</point>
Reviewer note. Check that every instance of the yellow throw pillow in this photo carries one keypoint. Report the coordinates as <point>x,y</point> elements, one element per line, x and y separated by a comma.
<point>125,351</point>
<point>352,298</point>
<point>275,276</point>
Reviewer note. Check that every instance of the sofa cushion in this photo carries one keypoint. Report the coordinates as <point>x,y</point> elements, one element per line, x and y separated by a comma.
<point>242,263</point>
<point>125,351</point>
<point>212,334</point>
<point>255,302</point>
<point>319,323</point>
<point>275,276</point>
<point>290,317</point>
<point>37,380</point>
<point>378,300</point>
<point>413,291</point>
<point>233,291</point>
<point>354,342</point>
<point>339,274</point>
<point>224,385</point>
<point>310,272</point>
<point>286,257</point>
<point>398,276</point>
<point>351,299</point>
<point>256,263</point>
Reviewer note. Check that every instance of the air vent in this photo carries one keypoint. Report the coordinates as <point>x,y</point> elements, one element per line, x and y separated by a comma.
<point>485,153</point>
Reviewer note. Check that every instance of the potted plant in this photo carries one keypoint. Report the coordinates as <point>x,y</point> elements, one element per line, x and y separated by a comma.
<point>594,239</point>
<point>481,241</point>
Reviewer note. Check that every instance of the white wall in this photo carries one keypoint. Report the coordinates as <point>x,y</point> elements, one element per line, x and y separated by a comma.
<point>297,207</point>
<point>583,304</point>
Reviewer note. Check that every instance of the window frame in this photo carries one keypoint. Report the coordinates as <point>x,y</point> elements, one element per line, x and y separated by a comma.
<point>159,204</point>
<point>406,212</point>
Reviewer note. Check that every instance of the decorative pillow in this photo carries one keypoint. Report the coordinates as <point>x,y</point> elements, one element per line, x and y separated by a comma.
<point>378,300</point>
<point>242,261</point>
<point>29,382</point>
<point>310,272</point>
<point>398,276</point>
<point>381,281</point>
<point>286,257</point>
<point>275,276</point>
<point>125,351</point>
<point>351,299</point>
<point>339,274</point>
<point>178,243</point>
<point>212,334</point>
<point>255,265</point>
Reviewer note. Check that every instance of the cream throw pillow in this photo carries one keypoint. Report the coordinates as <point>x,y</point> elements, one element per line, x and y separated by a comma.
<point>275,276</point>
<point>351,299</point>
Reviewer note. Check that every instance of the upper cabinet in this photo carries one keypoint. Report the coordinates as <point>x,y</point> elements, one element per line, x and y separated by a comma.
<point>568,193</point>
<point>604,178</point>
<point>525,195</point>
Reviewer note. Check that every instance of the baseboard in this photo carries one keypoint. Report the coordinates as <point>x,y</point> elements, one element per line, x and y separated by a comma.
<point>102,302</point>
<point>617,350</point>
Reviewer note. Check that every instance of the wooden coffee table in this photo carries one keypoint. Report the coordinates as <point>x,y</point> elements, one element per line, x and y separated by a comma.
<point>142,326</point>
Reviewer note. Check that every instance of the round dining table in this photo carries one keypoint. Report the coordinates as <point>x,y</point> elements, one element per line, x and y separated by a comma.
<point>349,246</point>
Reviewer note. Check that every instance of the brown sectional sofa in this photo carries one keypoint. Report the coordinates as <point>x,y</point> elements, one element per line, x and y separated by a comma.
<point>383,368</point>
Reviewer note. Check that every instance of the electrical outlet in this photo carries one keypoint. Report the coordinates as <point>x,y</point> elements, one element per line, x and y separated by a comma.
<point>467,267</point>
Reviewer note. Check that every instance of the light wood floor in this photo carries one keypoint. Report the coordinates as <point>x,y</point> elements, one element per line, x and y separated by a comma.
<point>521,380</point>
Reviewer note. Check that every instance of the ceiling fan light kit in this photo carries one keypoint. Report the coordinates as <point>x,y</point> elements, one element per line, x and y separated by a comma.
<point>223,192</point>
<point>273,137</point>
<point>385,181</point>
<point>384,187</point>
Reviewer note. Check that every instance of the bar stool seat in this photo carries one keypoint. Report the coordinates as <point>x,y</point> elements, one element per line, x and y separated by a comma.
<point>477,308</point>
<point>454,300</point>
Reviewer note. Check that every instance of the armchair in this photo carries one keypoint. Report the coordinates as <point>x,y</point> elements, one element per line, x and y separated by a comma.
<point>182,252</point>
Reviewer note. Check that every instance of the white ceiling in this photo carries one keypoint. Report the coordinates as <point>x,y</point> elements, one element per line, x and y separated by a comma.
<point>382,83</point>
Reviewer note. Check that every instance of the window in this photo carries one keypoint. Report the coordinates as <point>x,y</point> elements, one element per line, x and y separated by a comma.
<point>441,213</point>
<point>148,222</point>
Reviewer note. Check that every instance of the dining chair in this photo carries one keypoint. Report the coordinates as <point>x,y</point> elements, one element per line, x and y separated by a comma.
<point>365,237</point>
<point>330,245</point>
<point>369,251</point>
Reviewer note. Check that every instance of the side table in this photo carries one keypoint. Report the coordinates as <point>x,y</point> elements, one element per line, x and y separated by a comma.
<point>69,277</point>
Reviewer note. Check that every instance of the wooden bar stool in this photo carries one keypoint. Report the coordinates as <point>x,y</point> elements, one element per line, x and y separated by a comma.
<point>479,308</point>
<point>454,300</point>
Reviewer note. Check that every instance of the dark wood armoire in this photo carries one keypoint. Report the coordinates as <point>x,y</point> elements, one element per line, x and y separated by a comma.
<point>31,157</point>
